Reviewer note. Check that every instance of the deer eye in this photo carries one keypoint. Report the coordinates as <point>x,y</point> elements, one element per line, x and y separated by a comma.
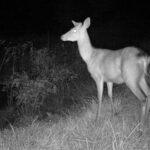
<point>74,31</point>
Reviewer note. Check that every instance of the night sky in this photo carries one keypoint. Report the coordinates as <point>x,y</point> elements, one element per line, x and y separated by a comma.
<point>19,17</point>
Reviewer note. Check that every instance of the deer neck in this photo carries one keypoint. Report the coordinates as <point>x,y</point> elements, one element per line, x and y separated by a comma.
<point>85,47</point>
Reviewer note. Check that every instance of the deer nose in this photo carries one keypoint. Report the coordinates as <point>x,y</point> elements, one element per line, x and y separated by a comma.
<point>62,38</point>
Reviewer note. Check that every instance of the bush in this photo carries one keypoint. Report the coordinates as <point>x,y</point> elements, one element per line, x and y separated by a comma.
<point>47,78</point>
<point>38,76</point>
<point>32,92</point>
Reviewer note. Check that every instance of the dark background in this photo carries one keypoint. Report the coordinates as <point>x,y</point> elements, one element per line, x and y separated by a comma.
<point>19,17</point>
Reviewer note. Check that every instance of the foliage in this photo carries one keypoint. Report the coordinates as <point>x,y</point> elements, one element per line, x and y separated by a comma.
<point>78,131</point>
<point>44,76</point>
<point>44,66</point>
<point>41,62</point>
<point>32,92</point>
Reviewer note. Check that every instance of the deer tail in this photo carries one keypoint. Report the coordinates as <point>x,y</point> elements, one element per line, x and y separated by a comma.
<point>148,66</point>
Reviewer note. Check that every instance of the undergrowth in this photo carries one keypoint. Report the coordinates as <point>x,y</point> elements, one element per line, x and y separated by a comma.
<point>78,130</point>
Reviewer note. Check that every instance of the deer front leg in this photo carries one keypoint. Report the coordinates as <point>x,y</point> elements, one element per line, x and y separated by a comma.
<point>110,94</point>
<point>99,84</point>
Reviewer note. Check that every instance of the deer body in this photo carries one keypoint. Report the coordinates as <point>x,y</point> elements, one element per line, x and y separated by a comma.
<point>121,66</point>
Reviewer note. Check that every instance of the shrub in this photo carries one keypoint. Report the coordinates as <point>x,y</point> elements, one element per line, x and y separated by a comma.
<point>38,77</point>
<point>32,92</point>
<point>48,77</point>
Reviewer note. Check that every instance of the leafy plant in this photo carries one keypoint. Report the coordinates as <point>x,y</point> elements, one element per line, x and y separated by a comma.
<point>32,92</point>
<point>41,77</point>
<point>44,66</point>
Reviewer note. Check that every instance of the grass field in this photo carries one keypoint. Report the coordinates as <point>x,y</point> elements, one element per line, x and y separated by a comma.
<point>78,130</point>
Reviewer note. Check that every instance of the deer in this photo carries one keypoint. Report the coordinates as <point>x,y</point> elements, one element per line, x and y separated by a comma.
<point>127,65</point>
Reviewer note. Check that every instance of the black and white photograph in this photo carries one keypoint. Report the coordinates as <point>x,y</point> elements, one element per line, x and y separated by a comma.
<point>74,75</point>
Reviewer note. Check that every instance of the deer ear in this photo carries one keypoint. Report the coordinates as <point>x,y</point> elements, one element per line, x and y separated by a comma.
<point>87,22</point>
<point>75,23</point>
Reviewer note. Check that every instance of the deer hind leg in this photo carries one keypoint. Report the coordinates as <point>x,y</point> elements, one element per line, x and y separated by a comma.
<point>145,88</point>
<point>135,88</point>
<point>99,84</point>
<point>110,94</point>
<point>132,77</point>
